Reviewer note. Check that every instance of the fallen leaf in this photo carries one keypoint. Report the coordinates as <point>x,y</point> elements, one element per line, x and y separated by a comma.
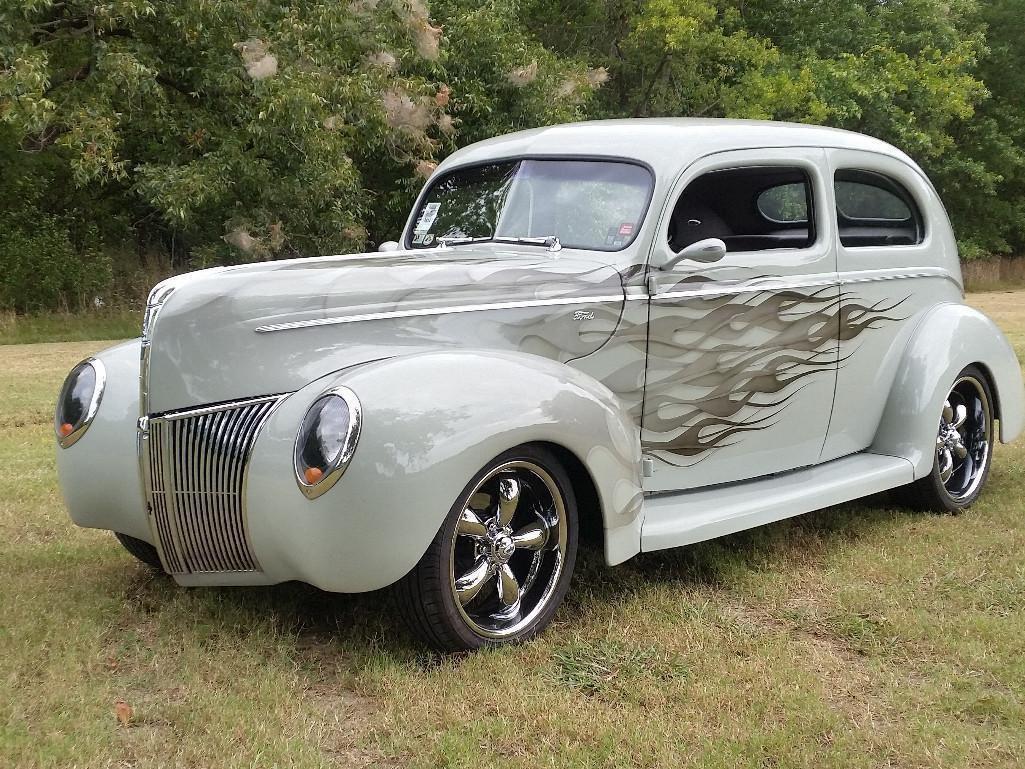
<point>123,711</point>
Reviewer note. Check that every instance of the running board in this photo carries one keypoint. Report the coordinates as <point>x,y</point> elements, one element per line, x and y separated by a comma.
<point>683,518</point>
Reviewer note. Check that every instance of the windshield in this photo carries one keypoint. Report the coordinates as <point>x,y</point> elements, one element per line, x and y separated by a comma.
<point>593,204</point>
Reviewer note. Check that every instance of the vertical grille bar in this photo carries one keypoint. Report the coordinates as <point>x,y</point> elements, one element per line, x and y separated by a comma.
<point>158,496</point>
<point>197,462</point>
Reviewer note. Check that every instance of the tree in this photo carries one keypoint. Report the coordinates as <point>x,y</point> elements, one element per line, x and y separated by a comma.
<point>217,130</point>
<point>249,130</point>
<point>995,139</point>
<point>905,71</point>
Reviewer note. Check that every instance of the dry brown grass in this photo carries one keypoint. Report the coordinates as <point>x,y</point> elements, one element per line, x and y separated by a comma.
<point>860,636</point>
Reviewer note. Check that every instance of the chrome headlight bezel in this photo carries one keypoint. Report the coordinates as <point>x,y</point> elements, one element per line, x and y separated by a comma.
<point>88,408</point>
<point>307,435</point>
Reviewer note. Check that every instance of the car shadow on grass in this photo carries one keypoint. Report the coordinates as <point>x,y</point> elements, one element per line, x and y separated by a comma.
<point>361,627</point>
<point>725,563</point>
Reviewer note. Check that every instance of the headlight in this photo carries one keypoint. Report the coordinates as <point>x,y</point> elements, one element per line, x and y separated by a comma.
<point>78,401</point>
<point>326,441</point>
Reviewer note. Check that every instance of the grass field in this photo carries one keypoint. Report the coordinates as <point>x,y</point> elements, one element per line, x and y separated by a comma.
<point>68,327</point>
<point>859,636</point>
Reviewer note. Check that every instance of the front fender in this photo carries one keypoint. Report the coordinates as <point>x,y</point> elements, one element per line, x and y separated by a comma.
<point>949,338</point>
<point>99,475</point>
<point>430,422</point>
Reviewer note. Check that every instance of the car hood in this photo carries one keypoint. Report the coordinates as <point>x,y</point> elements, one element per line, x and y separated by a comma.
<point>273,327</point>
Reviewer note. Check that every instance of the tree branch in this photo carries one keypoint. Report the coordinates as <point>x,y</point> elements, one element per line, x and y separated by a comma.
<point>79,74</point>
<point>641,108</point>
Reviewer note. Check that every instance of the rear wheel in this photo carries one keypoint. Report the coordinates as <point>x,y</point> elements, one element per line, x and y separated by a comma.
<point>144,551</point>
<point>964,448</point>
<point>502,561</point>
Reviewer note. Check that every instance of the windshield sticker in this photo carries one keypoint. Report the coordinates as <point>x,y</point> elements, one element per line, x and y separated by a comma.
<point>427,217</point>
<point>626,229</point>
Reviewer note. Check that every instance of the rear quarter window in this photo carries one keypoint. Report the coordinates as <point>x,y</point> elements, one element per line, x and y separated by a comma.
<point>875,210</point>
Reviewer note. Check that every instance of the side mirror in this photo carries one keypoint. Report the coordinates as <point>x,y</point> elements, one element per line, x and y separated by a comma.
<point>389,245</point>
<point>704,251</point>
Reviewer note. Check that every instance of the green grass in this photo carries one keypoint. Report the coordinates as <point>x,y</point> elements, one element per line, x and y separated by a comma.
<point>69,327</point>
<point>859,636</point>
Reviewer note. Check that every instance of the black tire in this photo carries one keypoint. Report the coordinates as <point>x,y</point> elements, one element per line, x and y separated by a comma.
<point>547,537</point>
<point>144,551</point>
<point>961,489</point>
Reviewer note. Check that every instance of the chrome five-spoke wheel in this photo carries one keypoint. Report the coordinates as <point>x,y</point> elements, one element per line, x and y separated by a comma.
<point>964,445</point>
<point>502,562</point>
<point>509,549</point>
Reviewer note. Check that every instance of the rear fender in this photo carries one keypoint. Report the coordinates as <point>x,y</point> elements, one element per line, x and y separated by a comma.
<point>949,338</point>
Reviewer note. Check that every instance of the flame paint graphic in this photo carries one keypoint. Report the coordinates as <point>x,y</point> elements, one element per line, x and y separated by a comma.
<point>720,367</point>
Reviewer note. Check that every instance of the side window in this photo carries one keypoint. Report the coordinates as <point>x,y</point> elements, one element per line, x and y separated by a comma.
<point>875,210</point>
<point>784,203</point>
<point>749,209</point>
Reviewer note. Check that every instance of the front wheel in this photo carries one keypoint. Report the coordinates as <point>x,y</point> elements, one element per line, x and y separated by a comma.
<point>144,551</point>
<point>964,448</point>
<point>502,561</point>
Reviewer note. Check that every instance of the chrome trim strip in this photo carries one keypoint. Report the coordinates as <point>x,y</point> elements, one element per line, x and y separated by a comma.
<point>159,294</point>
<point>748,287</point>
<point>895,274</point>
<point>450,310</point>
<point>213,408</point>
<point>812,281</point>
<point>768,284</point>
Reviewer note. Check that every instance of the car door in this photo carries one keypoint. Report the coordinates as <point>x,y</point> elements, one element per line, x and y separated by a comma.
<point>889,257</point>
<point>742,353</point>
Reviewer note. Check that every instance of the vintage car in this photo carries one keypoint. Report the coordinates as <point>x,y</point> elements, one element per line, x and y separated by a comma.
<point>653,331</point>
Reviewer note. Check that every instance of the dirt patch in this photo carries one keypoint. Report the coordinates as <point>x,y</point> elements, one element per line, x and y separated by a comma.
<point>348,726</point>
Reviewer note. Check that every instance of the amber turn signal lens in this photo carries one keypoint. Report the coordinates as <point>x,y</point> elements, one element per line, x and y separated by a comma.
<point>313,475</point>
<point>66,430</point>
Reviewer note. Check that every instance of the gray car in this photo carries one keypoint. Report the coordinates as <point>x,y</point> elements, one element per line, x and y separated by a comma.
<point>661,330</point>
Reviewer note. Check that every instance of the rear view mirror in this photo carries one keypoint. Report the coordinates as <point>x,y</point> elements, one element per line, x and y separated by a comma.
<point>389,245</point>
<point>704,251</point>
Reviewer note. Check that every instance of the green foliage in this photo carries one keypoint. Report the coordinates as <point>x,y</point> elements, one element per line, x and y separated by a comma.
<point>908,72</point>
<point>216,131</point>
<point>40,267</point>
<point>238,131</point>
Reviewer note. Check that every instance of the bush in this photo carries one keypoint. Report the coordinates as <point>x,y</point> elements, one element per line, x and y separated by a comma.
<point>41,267</point>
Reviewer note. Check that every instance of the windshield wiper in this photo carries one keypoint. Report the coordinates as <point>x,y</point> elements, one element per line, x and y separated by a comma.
<point>550,241</point>
<point>452,240</point>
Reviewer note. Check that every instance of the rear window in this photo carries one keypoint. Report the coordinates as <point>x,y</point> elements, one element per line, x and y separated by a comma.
<point>785,203</point>
<point>875,210</point>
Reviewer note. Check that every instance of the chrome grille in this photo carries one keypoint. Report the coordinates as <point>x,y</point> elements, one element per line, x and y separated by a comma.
<point>196,462</point>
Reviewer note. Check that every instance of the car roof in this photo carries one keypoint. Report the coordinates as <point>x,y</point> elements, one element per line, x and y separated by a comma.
<point>664,143</point>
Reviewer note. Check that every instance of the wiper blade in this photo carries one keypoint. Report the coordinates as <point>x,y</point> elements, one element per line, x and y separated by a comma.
<point>462,241</point>
<point>550,241</point>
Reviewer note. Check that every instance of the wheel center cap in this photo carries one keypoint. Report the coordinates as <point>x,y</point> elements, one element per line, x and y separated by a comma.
<point>502,548</point>
<point>950,437</point>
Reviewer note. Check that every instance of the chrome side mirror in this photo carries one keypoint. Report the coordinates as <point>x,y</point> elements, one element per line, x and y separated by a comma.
<point>389,245</point>
<point>704,251</point>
